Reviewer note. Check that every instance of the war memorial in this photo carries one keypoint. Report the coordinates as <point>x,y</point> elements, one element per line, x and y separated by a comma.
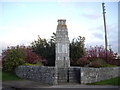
<point>62,72</point>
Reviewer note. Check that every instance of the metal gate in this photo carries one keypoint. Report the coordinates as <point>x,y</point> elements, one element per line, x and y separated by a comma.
<point>68,75</point>
<point>74,75</point>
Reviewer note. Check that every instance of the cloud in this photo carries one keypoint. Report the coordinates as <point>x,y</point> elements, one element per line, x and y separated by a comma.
<point>99,28</point>
<point>13,34</point>
<point>91,16</point>
<point>98,36</point>
<point>112,31</point>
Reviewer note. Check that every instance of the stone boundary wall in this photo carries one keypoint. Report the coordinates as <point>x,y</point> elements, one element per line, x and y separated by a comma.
<point>37,73</point>
<point>50,75</point>
<point>91,75</point>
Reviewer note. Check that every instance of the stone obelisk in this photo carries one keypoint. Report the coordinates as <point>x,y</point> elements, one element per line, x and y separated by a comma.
<point>62,45</point>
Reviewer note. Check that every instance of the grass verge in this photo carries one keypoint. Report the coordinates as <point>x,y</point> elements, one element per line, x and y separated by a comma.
<point>112,81</point>
<point>9,76</point>
<point>0,75</point>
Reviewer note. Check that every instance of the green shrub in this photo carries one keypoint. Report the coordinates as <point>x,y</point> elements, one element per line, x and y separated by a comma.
<point>37,64</point>
<point>19,55</point>
<point>12,59</point>
<point>109,65</point>
<point>28,64</point>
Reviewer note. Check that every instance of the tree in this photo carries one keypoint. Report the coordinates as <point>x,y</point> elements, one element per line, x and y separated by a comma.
<point>46,49</point>
<point>76,49</point>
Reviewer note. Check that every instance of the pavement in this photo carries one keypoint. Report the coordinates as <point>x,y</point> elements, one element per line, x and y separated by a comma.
<point>32,84</point>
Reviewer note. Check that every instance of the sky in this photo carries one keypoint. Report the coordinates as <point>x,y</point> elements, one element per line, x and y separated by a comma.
<point>22,22</point>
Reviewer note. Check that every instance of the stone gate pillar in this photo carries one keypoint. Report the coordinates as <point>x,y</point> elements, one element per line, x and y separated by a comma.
<point>62,45</point>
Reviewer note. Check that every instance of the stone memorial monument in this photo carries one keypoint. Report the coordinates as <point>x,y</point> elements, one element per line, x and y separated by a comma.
<point>62,72</point>
<point>62,45</point>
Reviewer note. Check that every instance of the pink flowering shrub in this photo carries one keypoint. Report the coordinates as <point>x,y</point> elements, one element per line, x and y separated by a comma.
<point>83,61</point>
<point>99,52</point>
<point>96,57</point>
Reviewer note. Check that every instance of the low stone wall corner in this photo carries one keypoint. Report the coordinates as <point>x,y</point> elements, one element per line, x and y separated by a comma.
<point>37,73</point>
<point>91,75</point>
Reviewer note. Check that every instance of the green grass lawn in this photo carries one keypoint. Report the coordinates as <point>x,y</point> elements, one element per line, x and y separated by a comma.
<point>113,81</point>
<point>0,75</point>
<point>9,76</point>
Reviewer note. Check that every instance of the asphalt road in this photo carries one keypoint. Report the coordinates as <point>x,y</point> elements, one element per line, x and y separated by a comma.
<point>32,84</point>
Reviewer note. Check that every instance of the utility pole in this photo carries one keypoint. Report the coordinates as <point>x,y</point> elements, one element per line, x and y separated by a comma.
<point>110,47</point>
<point>106,43</point>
